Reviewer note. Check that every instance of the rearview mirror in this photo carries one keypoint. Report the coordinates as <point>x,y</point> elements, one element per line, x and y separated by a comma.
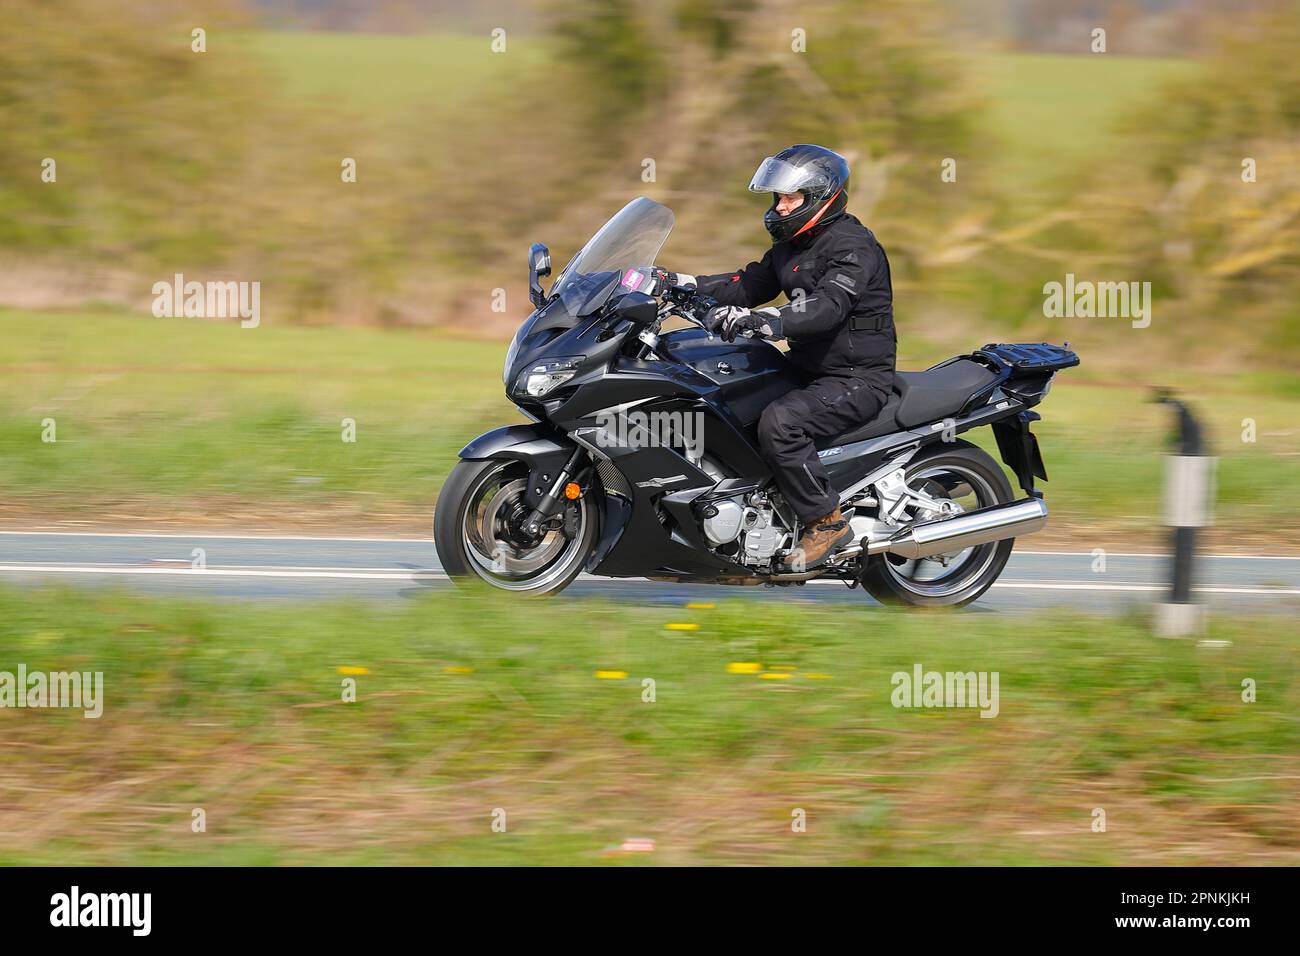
<point>539,266</point>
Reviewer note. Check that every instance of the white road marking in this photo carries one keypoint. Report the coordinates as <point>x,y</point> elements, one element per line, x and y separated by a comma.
<point>1140,554</point>
<point>390,575</point>
<point>184,564</point>
<point>222,572</point>
<point>286,537</point>
<point>1062,586</point>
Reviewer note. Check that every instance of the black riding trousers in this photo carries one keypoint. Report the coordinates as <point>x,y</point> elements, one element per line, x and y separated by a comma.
<point>792,425</point>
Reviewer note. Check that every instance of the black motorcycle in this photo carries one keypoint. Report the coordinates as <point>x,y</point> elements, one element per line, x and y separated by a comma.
<point>642,460</point>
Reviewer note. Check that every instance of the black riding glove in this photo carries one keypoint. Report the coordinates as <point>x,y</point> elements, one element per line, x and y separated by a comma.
<point>665,280</point>
<point>733,320</point>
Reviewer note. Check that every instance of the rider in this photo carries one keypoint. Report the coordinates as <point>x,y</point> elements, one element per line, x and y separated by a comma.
<point>839,324</point>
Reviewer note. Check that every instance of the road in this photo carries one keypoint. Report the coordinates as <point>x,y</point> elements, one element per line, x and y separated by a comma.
<point>315,568</point>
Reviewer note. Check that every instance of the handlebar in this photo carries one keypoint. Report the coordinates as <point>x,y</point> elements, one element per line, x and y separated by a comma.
<point>669,309</point>
<point>687,303</point>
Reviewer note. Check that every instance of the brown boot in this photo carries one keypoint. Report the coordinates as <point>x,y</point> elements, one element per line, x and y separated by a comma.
<point>821,537</point>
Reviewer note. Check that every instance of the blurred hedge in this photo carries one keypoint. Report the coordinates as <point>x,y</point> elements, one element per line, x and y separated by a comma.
<point>170,160</point>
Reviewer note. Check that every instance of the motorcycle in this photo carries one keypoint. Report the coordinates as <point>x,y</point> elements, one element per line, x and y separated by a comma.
<point>641,457</point>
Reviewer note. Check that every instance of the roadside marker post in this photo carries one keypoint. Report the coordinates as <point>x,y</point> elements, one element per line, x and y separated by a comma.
<point>1188,505</point>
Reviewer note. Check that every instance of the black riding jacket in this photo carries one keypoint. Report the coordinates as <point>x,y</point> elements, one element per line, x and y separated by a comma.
<point>840,317</point>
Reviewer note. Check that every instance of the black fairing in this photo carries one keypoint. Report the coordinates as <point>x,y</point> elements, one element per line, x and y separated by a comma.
<point>561,328</point>
<point>758,372</point>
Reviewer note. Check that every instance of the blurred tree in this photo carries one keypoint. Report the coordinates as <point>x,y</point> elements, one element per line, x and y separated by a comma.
<point>717,22</point>
<point>138,125</point>
<point>875,81</point>
<point>1205,201</point>
<point>609,50</point>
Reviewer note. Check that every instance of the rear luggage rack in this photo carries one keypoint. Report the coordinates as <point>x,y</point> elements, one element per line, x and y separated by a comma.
<point>1040,357</point>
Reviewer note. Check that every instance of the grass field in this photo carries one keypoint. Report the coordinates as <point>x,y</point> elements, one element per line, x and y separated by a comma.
<point>390,73</point>
<point>201,422</point>
<point>1053,115</point>
<point>467,705</point>
<point>1046,107</point>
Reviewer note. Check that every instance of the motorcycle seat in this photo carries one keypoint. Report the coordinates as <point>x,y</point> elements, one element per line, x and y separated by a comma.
<point>921,397</point>
<point>940,392</point>
<point>883,423</point>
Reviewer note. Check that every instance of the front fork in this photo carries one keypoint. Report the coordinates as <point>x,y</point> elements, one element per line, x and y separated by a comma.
<point>550,502</point>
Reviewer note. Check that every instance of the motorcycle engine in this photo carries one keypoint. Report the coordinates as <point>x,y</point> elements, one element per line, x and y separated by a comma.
<point>763,533</point>
<point>724,525</point>
<point>748,520</point>
<point>752,523</point>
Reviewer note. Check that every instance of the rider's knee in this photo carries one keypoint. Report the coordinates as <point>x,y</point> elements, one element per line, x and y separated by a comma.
<point>776,425</point>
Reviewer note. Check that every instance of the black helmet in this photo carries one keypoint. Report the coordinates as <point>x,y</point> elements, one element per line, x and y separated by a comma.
<point>821,175</point>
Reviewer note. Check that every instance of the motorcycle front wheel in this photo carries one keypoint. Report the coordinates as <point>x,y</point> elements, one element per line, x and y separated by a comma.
<point>476,531</point>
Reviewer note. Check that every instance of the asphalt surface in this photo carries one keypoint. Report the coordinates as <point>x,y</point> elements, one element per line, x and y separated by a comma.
<point>388,569</point>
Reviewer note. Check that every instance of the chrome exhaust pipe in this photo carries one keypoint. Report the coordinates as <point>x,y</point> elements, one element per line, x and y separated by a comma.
<point>966,530</point>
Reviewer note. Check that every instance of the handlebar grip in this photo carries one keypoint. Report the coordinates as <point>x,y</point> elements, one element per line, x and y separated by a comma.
<point>702,305</point>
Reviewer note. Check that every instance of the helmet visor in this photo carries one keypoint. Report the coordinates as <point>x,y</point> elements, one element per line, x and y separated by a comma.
<point>777,176</point>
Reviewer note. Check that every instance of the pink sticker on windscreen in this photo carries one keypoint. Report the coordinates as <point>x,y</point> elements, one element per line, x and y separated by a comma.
<point>632,279</point>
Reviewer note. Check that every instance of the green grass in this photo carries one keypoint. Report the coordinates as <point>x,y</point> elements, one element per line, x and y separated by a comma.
<point>470,704</point>
<point>175,410</point>
<point>1050,114</point>
<point>390,74</point>
<point>1046,108</point>
<point>171,415</point>
<point>1053,115</point>
<point>1104,449</point>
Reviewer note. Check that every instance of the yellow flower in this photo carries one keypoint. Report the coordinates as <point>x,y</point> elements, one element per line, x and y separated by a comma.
<point>682,626</point>
<point>744,667</point>
<point>611,675</point>
<point>353,671</point>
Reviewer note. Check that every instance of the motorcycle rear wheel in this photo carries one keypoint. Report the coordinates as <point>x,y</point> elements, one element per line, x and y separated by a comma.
<point>964,473</point>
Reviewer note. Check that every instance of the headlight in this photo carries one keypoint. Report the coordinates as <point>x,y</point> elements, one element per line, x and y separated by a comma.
<point>546,376</point>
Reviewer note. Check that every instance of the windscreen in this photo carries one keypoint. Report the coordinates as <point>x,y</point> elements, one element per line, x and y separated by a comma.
<point>630,240</point>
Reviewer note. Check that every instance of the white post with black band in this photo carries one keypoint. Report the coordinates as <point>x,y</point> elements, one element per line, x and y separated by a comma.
<point>1188,505</point>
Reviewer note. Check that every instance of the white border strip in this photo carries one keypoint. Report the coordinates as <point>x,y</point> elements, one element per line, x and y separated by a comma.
<point>287,537</point>
<point>431,575</point>
<point>200,534</point>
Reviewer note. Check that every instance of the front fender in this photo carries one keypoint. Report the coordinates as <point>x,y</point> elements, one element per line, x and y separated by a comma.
<point>538,447</point>
<point>531,443</point>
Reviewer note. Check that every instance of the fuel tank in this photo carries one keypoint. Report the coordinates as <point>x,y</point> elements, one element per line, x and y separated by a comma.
<point>750,372</point>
